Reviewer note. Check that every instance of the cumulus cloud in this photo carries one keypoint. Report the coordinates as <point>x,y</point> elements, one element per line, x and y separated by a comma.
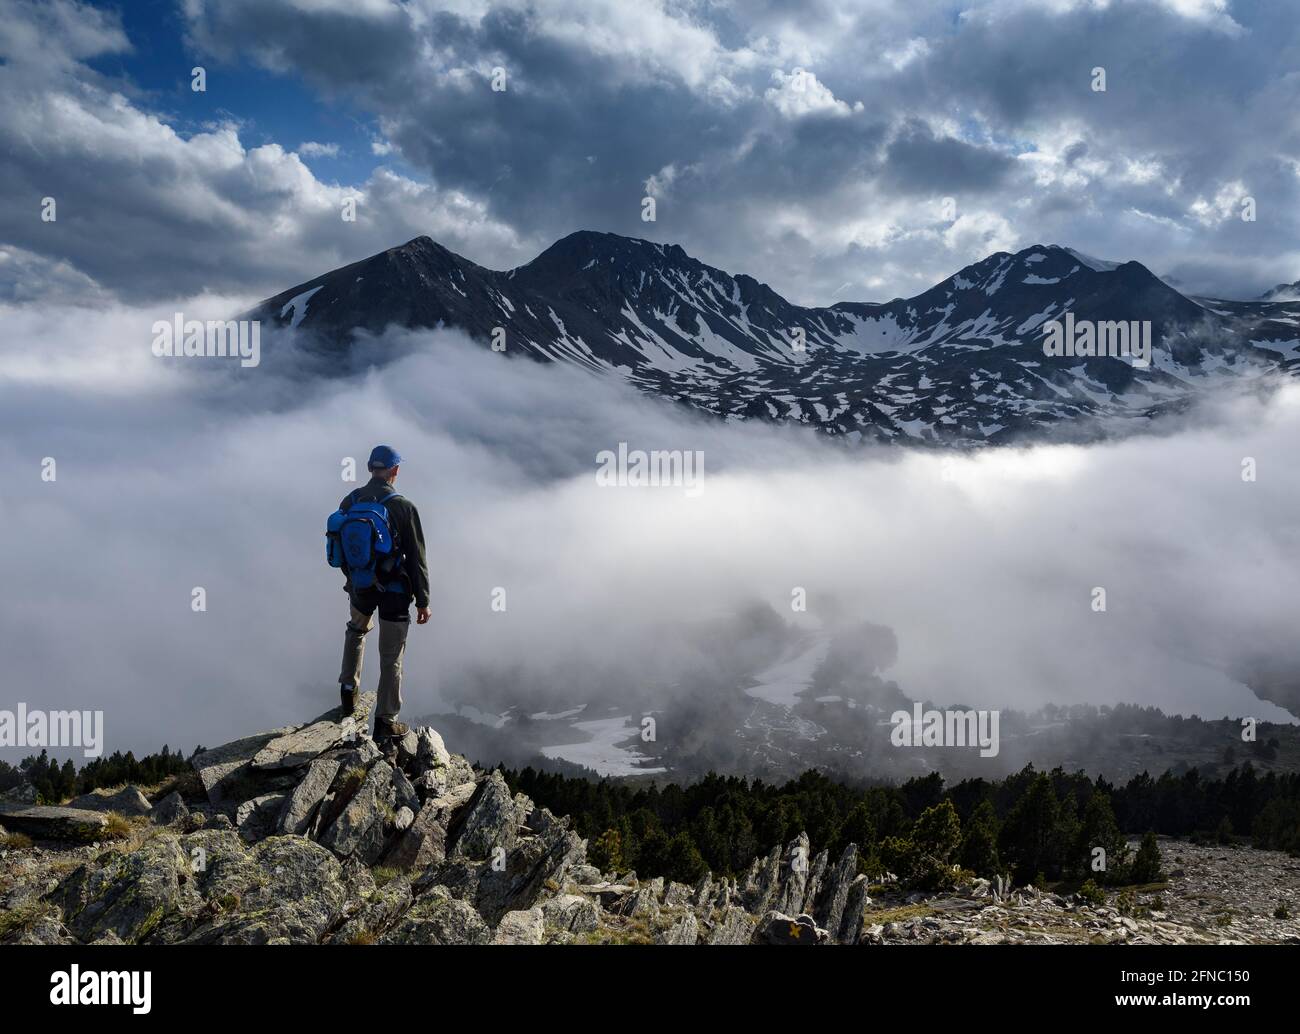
<point>314,149</point>
<point>1191,95</point>
<point>992,106</point>
<point>144,210</point>
<point>799,93</point>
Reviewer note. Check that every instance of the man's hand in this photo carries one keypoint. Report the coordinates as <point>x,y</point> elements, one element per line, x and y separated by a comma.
<point>421,615</point>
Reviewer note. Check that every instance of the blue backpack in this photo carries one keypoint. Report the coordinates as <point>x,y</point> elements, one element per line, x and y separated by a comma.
<point>361,540</point>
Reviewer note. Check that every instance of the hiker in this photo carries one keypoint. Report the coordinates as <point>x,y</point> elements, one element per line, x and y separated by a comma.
<point>376,538</point>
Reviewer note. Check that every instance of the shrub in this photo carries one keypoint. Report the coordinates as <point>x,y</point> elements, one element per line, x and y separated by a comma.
<point>117,826</point>
<point>1092,894</point>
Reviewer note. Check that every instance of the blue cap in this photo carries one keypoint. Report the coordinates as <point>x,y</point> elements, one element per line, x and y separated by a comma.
<point>382,457</point>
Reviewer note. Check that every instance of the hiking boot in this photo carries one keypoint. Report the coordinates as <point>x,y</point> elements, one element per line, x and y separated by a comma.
<point>348,697</point>
<point>390,729</point>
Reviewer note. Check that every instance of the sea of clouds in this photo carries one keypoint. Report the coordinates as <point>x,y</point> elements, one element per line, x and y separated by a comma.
<point>181,473</point>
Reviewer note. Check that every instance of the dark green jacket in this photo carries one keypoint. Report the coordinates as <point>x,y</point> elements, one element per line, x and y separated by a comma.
<point>410,535</point>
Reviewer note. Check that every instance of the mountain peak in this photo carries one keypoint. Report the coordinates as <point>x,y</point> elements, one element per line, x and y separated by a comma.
<point>584,249</point>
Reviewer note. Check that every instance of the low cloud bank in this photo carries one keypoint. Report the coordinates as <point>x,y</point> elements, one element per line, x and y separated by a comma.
<point>177,474</point>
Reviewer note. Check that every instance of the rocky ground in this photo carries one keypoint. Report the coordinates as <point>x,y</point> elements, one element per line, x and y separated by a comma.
<point>1213,895</point>
<point>309,834</point>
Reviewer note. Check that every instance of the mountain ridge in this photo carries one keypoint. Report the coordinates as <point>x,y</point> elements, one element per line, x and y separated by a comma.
<point>961,363</point>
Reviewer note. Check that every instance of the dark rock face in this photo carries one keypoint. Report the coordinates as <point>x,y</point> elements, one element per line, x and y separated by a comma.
<point>171,809</point>
<point>961,363</point>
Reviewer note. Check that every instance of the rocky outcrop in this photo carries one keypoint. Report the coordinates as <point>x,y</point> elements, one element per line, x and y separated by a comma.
<point>307,834</point>
<point>60,823</point>
<point>170,810</point>
<point>310,835</point>
<point>127,801</point>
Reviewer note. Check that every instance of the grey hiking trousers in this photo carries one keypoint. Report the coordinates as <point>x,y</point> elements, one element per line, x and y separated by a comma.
<point>394,623</point>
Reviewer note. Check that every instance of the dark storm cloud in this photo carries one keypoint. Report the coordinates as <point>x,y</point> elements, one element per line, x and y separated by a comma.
<point>809,189</point>
<point>1195,110</point>
<point>918,162</point>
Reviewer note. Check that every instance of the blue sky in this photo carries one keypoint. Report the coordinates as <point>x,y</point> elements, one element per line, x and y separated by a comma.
<point>813,145</point>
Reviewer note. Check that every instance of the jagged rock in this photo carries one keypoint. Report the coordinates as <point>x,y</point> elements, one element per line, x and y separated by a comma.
<point>380,910</point>
<point>523,927</point>
<point>431,752</point>
<point>358,829</point>
<point>296,748</point>
<point>492,822</point>
<point>790,893</point>
<point>171,810</point>
<point>685,930</point>
<point>285,889</point>
<point>572,913</point>
<point>438,918</point>
<point>255,819</point>
<point>516,879</point>
<point>56,823</point>
<point>705,889</point>
<point>610,895</point>
<point>644,901</point>
<point>425,842</point>
<point>762,882</point>
<point>735,926</point>
<point>816,879</point>
<point>226,771</point>
<point>356,755</point>
<point>778,928</point>
<point>585,873</point>
<point>407,747</point>
<point>300,805</point>
<point>828,911</point>
<point>404,792</point>
<point>855,906</point>
<point>676,895</point>
<point>129,894</point>
<point>127,801</point>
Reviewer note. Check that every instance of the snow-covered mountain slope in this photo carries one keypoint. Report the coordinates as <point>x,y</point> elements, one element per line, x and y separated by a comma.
<point>961,363</point>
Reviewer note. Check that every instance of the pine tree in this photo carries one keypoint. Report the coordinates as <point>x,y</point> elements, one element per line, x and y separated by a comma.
<point>1146,866</point>
<point>1100,830</point>
<point>979,842</point>
<point>606,854</point>
<point>683,861</point>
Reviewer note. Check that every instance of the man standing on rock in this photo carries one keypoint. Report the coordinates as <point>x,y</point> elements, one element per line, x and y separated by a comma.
<point>391,593</point>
